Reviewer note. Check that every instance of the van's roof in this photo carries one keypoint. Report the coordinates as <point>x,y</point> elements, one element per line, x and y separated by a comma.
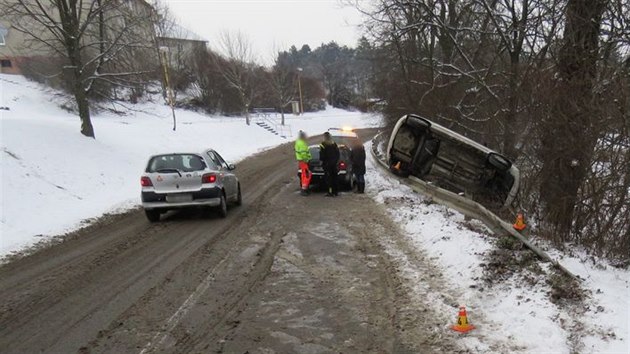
<point>178,153</point>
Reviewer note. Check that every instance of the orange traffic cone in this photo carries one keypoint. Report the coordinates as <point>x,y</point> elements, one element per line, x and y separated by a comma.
<point>462,321</point>
<point>519,225</point>
<point>397,166</point>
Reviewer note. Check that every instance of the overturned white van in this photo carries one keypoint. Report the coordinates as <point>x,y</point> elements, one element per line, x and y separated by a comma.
<point>437,154</point>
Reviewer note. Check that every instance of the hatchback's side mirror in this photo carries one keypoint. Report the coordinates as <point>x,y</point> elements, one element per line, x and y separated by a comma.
<point>231,167</point>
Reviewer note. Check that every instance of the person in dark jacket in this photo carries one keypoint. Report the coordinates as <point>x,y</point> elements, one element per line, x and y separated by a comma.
<point>329,156</point>
<point>358,166</point>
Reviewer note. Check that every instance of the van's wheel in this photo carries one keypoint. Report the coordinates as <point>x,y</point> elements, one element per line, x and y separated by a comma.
<point>153,215</point>
<point>239,197</point>
<point>499,162</point>
<point>222,208</point>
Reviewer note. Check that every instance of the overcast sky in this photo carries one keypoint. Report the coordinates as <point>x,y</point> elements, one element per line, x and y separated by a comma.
<point>270,23</point>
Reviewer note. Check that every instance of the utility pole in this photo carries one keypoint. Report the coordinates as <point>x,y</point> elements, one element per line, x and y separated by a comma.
<point>300,90</point>
<point>169,91</point>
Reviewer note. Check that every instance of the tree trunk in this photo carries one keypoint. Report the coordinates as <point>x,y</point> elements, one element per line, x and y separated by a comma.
<point>281,115</point>
<point>511,122</point>
<point>80,95</point>
<point>405,73</point>
<point>247,114</point>
<point>571,133</point>
<point>84,111</point>
<point>70,21</point>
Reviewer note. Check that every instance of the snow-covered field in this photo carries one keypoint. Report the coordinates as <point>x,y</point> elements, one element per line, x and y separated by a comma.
<point>53,177</point>
<point>513,314</point>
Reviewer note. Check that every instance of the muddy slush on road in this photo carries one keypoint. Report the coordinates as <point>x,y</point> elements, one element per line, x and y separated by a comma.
<point>281,274</point>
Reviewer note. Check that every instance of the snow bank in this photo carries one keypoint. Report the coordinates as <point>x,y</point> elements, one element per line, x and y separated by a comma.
<point>608,313</point>
<point>510,314</point>
<point>53,177</point>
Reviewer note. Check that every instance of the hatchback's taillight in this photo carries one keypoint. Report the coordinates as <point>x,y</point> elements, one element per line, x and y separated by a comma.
<point>145,181</point>
<point>342,165</point>
<point>208,178</point>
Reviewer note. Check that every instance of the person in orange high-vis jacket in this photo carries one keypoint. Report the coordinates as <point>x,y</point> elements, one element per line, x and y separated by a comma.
<point>303,156</point>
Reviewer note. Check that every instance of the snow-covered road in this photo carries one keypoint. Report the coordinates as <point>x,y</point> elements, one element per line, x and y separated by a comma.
<point>53,179</point>
<point>282,273</point>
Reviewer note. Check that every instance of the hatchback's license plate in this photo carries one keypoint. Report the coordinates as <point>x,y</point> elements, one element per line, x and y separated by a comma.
<point>179,198</point>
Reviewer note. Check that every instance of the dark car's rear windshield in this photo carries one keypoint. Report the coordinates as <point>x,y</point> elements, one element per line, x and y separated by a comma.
<point>314,153</point>
<point>344,153</point>
<point>179,162</point>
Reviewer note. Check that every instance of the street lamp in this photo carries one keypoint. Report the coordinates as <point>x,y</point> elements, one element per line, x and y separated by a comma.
<point>169,92</point>
<point>300,90</point>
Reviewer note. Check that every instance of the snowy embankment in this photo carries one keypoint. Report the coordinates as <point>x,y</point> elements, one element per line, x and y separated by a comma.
<point>53,178</point>
<point>512,311</point>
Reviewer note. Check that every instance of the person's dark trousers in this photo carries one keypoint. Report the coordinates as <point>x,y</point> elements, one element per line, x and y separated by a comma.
<point>335,182</point>
<point>330,175</point>
<point>360,179</point>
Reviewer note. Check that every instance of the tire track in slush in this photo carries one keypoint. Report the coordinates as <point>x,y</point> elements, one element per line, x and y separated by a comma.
<point>182,311</point>
<point>64,305</point>
<point>261,268</point>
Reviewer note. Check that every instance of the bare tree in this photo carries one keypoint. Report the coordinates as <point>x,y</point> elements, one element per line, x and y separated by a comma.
<point>283,84</point>
<point>545,81</point>
<point>239,69</point>
<point>94,37</point>
<point>571,136</point>
<point>454,56</point>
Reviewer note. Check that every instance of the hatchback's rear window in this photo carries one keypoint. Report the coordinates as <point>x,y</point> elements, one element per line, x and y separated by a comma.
<point>179,162</point>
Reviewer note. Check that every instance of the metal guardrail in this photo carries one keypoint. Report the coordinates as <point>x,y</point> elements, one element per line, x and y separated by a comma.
<point>465,206</point>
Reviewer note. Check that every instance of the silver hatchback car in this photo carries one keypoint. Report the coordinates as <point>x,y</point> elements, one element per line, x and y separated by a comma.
<point>183,180</point>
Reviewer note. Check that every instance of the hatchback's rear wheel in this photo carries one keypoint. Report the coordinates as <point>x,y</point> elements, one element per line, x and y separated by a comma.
<point>222,208</point>
<point>153,215</point>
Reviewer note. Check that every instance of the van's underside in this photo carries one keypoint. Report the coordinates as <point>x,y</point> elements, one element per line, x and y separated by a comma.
<point>451,163</point>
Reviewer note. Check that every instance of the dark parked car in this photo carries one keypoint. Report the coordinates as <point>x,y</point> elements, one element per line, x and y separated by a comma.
<point>432,152</point>
<point>346,178</point>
